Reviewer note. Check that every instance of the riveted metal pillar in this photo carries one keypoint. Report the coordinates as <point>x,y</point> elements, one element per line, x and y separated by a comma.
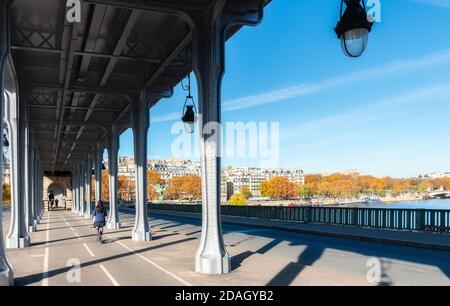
<point>209,28</point>
<point>77,203</point>
<point>39,198</point>
<point>39,201</point>
<point>208,64</point>
<point>35,188</point>
<point>82,189</point>
<point>17,236</point>
<point>88,172</point>
<point>29,181</point>
<point>75,189</point>
<point>98,162</point>
<point>113,151</point>
<point>6,271</point>
<point>140,118</point>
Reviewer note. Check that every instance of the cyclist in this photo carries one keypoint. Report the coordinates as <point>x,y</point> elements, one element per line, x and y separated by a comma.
<point>99,214</point>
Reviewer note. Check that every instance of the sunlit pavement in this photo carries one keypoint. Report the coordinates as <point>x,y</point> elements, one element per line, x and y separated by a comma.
<point>260,257</point>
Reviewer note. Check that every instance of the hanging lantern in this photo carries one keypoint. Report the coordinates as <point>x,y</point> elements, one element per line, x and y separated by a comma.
<point>353,28</point>
<point>5,141</point>
<point>189,110</point>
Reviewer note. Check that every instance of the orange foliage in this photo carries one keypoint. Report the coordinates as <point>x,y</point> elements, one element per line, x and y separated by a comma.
<point>336,185</point>
<point>105,185</point>
<point>279,188</point>
<point>153,178</point>
<point>125,187</point>
<point>184,187</point>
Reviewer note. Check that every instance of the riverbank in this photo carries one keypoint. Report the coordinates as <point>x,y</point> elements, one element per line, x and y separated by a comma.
<point>404,201</point>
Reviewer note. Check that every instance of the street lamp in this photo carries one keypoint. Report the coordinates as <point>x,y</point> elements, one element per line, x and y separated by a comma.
<point>189,109</point>
<point>353,27</point>
<point>5,140</point>
<point>103,168</point>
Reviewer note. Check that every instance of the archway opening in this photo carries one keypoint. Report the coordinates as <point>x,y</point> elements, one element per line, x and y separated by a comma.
<point>56,197</point>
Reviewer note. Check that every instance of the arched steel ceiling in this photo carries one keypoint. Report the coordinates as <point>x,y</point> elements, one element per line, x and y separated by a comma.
<point>78,79</point>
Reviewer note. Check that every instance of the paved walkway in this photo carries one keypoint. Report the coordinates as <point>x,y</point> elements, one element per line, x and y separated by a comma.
<point>260,257</point>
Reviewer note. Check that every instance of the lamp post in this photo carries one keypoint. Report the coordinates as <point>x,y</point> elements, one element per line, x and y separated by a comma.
<point>189,109</point>
<point>160,189</point>
<point>5,140</point>
<point>353,27</point>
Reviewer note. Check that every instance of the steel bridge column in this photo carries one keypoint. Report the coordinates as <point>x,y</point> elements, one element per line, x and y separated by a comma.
<point>208,65</point>
<point>35,189</point>
<point>41,190</point>
<point>88,212</point>
<point>74,194</point>
<point>6,271</point>
<point>140,118</point>
<point>77,190</point>
<point>81,188</point>
<point>72,208</point>
<point>39,199</point>
<point>18,234</point>
<point>74,189</point>
<point>209,28</point>
<point>98,162</point>
<point>113,150</point>
<point>29,180</point>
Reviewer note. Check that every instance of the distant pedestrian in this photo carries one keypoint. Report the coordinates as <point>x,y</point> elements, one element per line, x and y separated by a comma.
<point>51,200</point>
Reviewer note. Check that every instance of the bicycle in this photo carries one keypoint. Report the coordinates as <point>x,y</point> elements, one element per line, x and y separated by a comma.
<point>99,237</point>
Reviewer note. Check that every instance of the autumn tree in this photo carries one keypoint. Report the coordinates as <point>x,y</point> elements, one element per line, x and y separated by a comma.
<point>238,199</point>
<point>279,188</point>
<point>105,185</point>
<point>6,195</point>
<point>184,187</point>
<point>424,186</point>
<point>245,191</point>
<point>305,191</point>
<point>125,187</point>
<point>153,178</point>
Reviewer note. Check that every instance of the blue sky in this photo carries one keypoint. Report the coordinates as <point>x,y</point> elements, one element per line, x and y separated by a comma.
<point>385,113</point>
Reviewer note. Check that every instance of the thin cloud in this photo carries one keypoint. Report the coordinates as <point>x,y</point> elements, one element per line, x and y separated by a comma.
<point>378,111</point>
<point>439,3</point>
<point>305,89</point>
<point>300,90</point>
<point>165,118</point>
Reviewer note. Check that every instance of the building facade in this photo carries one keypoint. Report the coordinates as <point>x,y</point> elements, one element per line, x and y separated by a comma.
<point>253,177</point>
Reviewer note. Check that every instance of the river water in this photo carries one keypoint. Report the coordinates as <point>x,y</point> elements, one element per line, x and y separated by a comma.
<point>427,204</point>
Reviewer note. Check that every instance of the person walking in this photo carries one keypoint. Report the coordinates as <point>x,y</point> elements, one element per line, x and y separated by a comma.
<point>51,200</point>
<point>99,214</point>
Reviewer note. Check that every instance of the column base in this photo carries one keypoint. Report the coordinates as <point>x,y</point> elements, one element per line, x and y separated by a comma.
<point>21,243</point>
<point>142,236</point>
<point>6,277</point>
<point>113,225</point>
<point>32,228</point>
<point>213,265</point>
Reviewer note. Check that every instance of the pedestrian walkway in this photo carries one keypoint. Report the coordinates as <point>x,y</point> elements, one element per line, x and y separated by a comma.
<point>259,257</point>
<point>64,239</point>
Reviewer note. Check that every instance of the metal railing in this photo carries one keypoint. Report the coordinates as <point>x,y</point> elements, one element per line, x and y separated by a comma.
<point>382,218</point>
